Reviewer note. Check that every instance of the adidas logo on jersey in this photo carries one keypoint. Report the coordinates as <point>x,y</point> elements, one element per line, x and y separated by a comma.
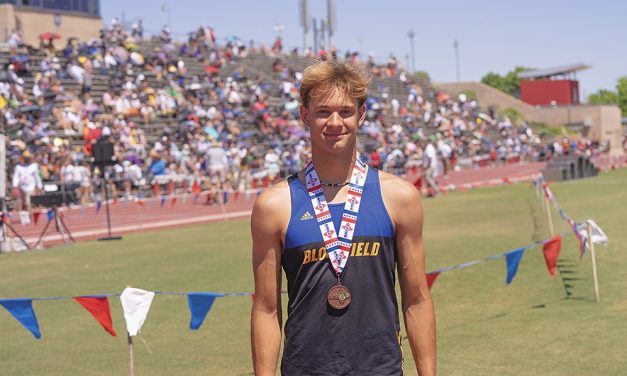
<point>306,216</point>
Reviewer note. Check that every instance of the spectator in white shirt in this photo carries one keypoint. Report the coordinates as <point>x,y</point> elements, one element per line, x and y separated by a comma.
<point>26,180</point>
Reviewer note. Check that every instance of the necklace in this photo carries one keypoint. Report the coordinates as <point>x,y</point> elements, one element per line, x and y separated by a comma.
<point>334,184</point>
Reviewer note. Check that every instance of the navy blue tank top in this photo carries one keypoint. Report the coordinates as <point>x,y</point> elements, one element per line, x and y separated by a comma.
<point>363,339</point>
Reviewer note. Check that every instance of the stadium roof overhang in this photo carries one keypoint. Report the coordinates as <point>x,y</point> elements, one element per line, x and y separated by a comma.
<point>562,70</point>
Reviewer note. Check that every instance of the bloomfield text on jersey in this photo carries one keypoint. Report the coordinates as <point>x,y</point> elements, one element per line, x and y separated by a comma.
<point>357,249</point>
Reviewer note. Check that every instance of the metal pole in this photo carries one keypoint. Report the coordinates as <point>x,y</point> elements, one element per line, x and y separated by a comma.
<point>594,264</point>
<point>169,18</point>
<point>456,45</point>
<point>106,189</point>
<point>411,34</point>
<point>104,185</point>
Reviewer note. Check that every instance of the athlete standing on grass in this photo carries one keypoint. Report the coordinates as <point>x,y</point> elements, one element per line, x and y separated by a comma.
<point>339,229</point>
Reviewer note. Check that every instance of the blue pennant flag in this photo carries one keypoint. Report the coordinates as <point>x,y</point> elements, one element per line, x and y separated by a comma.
<point>98,206</point>
<point>225,196</point>
<point>199,304</point>
<point>513,260</point>
<point>50,214</point>
<point>163,201</point>
<point>22,310</point>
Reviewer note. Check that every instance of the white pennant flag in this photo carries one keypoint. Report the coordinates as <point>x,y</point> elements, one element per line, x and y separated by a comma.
<point>598,236</point>
<point>136,304</point>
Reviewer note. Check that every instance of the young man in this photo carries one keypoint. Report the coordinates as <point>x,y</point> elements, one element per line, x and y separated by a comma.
<point>338,229</point>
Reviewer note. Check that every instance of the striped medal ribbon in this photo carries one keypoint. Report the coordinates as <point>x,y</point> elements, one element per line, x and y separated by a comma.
<point>338,245</point>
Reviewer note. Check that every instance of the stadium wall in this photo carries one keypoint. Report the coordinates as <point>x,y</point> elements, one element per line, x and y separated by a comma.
<point>33,22</point>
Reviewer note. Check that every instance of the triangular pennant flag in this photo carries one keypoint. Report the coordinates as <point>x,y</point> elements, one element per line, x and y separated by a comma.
<point>598,236</point>
<point>50,214</point>
<point>22,310</point>
<point>225,197</point>
<point>24,217</point>
<point>199,304</point>
<point>551,253</point>
<point>163,199</point>
<point>235,195</point>
<point>196,188</point>
<point>98,306</point>
<point>98,206</point>
<point>418,184</point>
<point>513,260</point>
<point>135,304</point>
<point>36,215</point>
<point>580,237</point>
<point>547,191</point>
<point>173,201</point>
<point>562,214</point>
<point>431,277</point>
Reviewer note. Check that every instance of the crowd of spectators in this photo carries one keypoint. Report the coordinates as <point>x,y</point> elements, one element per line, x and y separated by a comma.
<point>227,128</point>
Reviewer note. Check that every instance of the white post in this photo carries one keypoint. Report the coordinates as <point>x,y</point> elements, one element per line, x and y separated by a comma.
<point>131,371</point>
<point>3,189</point>
<point>594,264</point>
<point>548,214</point>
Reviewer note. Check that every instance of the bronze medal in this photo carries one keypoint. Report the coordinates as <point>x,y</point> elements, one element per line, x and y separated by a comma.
<point>339,297</point>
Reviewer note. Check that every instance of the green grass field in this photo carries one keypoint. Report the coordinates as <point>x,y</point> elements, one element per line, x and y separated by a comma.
<point>534,326</point>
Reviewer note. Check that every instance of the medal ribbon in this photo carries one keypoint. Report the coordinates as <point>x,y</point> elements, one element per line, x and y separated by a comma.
<point>338,245</point>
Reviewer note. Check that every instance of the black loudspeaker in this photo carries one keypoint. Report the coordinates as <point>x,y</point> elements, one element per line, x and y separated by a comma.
<point>102,153</point>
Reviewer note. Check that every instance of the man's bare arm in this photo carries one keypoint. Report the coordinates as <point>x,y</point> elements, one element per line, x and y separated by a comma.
<point>406,211</point>
<point>266,319</point>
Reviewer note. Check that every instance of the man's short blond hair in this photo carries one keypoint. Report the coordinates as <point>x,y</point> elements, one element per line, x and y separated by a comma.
<point>322,78</point>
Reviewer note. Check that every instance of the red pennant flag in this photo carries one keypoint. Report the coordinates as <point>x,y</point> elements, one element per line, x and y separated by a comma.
<point>547,191</point>
<point>141,203</point>
<point>170,187</point>
<point>418,184</point>
<point>506,180</point>
<point>196,188</point>
<point>431,277</point>
<point>99,308</point>
<point>173,201</point>
<point>235,195</point>
<point>551,253</point>
<point>156,190</point>
<point>36,215</point>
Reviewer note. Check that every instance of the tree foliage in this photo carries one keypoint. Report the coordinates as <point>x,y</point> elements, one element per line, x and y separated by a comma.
<point>618,97</point>
<point>422,75</point>
<point>509,84</point>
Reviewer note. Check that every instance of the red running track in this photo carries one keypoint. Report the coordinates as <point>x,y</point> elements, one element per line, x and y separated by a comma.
<point>129,216</point>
